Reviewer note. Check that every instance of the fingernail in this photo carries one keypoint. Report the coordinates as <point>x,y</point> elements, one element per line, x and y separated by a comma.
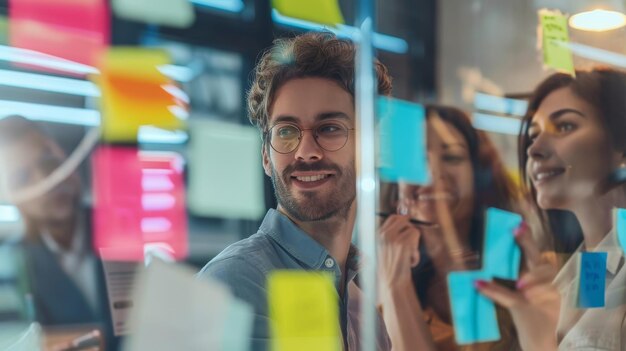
<point>479,284</point>
<point>521,229</point>
<point>520,284</point>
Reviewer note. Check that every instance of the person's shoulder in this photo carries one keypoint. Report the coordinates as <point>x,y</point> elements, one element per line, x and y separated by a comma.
<point>243,260</point>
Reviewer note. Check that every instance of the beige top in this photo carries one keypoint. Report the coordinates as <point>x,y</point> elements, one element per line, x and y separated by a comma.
<point>594,328</point>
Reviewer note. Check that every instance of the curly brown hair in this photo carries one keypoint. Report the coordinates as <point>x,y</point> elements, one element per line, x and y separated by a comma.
<point>314,54</point>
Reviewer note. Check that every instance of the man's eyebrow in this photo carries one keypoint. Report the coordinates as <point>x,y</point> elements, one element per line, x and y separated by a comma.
<point>458,144</point>
<point>320,117</point>
<point>331,115</point>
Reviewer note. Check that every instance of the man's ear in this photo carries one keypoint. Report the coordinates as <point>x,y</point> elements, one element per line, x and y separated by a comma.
<point>266,160</point>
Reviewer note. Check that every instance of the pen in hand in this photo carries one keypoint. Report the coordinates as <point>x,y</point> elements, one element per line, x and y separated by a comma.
<point>412,220</point>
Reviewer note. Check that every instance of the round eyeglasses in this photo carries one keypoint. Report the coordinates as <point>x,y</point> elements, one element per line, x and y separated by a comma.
<point>285,137</point>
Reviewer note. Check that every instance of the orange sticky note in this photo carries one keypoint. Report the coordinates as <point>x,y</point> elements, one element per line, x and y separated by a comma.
<point>135,94</point>
<point>303,309</point>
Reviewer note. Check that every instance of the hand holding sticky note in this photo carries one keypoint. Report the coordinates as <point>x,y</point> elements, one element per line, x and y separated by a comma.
<point>502,255</point>
<point>303,308</point>
<point>473,315</point>
<point>554,37</point>
<point>402,141</point>
<point>592,279</point>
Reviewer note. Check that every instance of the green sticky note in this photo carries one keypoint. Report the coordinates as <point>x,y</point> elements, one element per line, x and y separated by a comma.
<point>318,11</point>
<point>554,35</point>
<point>225,170</point>
<point>173,13</point>
<point>4,30</point>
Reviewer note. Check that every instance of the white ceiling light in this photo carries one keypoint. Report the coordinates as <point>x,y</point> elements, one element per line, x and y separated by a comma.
<point>598,20</point>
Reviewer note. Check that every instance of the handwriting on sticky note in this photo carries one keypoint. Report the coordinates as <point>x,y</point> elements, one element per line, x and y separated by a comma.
<point>303,309</point>
<point>554,36</point>
<point>402,128</point>
<point>502,254</point>
<point>318,11</point>
<point>592,279</point>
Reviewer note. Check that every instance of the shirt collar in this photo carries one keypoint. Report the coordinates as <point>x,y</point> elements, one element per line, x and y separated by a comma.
<point>300,245</point>
<point>609,244</point>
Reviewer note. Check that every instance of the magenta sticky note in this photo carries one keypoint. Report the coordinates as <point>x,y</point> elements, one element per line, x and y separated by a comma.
<point>76,30</point>
<point>139,203</point>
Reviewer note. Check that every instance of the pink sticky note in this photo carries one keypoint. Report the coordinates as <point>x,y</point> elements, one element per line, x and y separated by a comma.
<point>70,29</point>
<point>139,203</point>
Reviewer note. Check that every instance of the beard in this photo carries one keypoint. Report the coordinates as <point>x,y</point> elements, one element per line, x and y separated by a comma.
<point>313,205</point>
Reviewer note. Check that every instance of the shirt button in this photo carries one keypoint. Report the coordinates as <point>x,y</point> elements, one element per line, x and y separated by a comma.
<point>329,263</point>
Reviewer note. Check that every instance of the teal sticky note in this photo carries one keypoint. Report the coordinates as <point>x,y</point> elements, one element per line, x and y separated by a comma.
<point>591,289</point>
<point>402,127</point>
<point>502,255</point>
<point>620,226</point>
<point>473,315</point>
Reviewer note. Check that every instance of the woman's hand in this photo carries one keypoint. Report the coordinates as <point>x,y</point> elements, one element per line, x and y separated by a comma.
<point>398,251</point>
<point>535,305</point>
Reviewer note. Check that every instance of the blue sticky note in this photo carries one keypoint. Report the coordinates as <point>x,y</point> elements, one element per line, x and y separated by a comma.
<point>402,141</point>
<point>502,254</point>
<point>592,279</point>
<point>620,226</point>
<point>473,315</point>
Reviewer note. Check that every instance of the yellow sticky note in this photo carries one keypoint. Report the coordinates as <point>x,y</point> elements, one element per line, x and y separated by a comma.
<point>554,34</point>
<point>135,63</point>
<point>318,11</point>
<point>303,309</point>
<point>135,94</point>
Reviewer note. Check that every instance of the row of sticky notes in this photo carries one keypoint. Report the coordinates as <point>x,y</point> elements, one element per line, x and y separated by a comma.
<point>139,203</point>
<point>473,315</point>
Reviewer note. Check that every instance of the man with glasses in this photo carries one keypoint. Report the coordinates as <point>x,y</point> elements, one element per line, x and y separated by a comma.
<point>302,100</point>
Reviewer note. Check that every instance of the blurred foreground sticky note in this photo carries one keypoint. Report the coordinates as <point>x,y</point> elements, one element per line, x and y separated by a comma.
<point>318,11</point>
<point>135,94</point>
<point>473,315</point>
<point>139,203</point>
<point>554,35</point>
<point>225,170</point>
<point>592,279</point>
<point>303,308</point>
<point>502,254</point>
<point>176,311</point>
<point>620,226</point>
<point>402,128</point>
<point>173,13</point>
<point>74,30</point>
<point>21,337</point>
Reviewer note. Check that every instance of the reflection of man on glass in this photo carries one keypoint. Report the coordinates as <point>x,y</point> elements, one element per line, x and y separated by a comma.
<point>302,100</point>
<point>63,272</point>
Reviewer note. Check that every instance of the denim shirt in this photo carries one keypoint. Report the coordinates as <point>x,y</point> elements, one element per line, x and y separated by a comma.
<point>280,244</point>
